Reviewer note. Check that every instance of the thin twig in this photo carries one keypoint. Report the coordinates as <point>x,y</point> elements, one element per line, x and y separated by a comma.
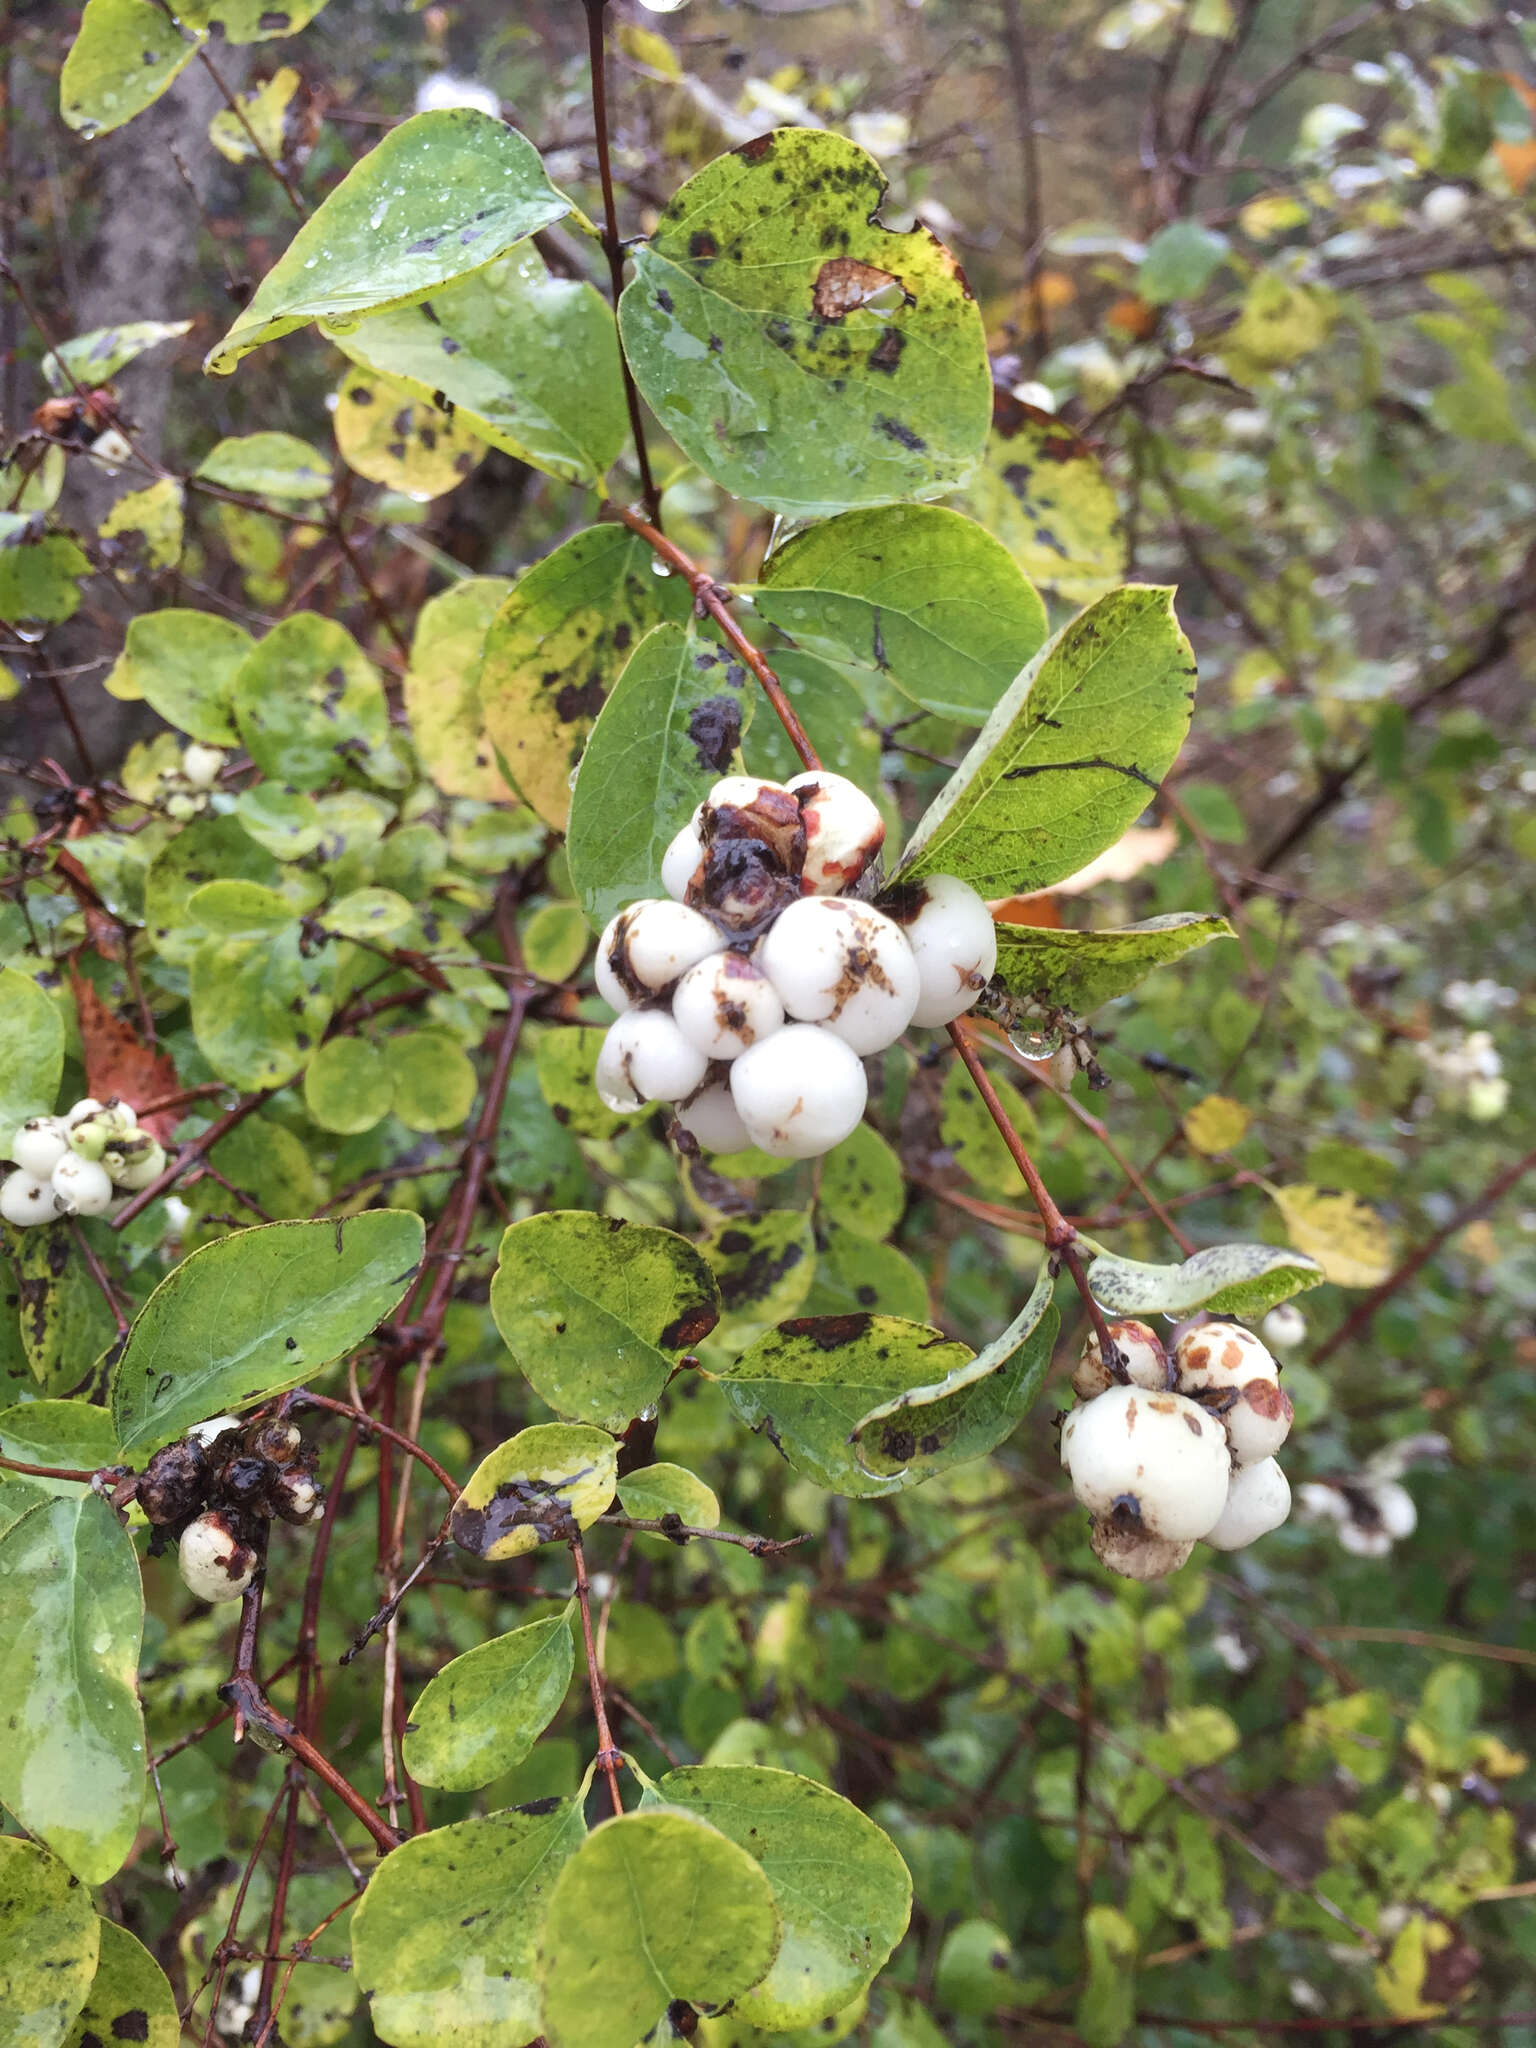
<point>608,1758</point>
<point>680,1532</point>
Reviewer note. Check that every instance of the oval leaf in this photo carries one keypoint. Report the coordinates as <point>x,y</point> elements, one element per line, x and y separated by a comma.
<point>1042,491</point>
<point>1226,1279</point>
<point>1344,1235</point>
<point>300,693</point>
<point>658,1491</point>
<point>483,1712</point>
<point>126,54</point>
<point>393,436</point>
<point>184,664</point>
<point>130,1998</point>
<point>49,1939</point>
<point>31,1053</point>
<point>544,1485</point>
<point>442,689</point>
<point>254,1313</point>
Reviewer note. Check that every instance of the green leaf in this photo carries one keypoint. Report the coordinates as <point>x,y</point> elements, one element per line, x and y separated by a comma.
<point>49,1942</point>
<point>369,913</point>
<point>1225,1279</point>
<point>808,1383</point>
<point>441,195</point>
<point>1180,262</point>
<point>526,361</point>
<point>554,648</point>
<point>842,1891</point>
<point>835,721</point>
<point>268,465</point>
<point>1078,971</point>
<point>968,1412</point>
<point>801,354</point>
<point>555,940</point>
<point>301,693</point>
<point>969,1134</point>
<point>596,1311</point>
<point>37,580</point>
<point>543,1485</point>
<point>144,529</point>
<point>653,1907</point>
<point>258,1311</point>
<point>183,664</point>
<point>854,1273</point>
<point>67,1433</point>
<point>442,688</point>
<point>65,1324</point>
<point>658,1490</point>
<point>260,1002</point>
<point>347,1086</point>
<point>668,731</point>
<point>1107,2007</point>
<point>251,21</point>
<point>764,1264</point>
<point>863,1188</point>
<point>126,54</point>
<point>96,358</point>
<point>1042,491</point>
<point>130,1998</point>
<point>1070,756</point>
<point>71,1615</point>
<point>445,1939</point>
<point>913,594</point>
<point>484,1711</point>
<point>31,1053</point>
<point>566,1060</point>
<point>433,1080</point>
<point>395,437</point>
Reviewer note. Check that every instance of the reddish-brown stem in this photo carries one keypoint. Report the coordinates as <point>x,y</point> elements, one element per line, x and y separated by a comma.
<point>710,598</point>
<point>608,1758</point>
<point>613,248</point>
<point>189,1155</point>
<point>48,1471</point>
<point>364,1421</point>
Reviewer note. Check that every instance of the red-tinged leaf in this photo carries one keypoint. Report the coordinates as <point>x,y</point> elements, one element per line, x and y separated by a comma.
<point>117,1062</point>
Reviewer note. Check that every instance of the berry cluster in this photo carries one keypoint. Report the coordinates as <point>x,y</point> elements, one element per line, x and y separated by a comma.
<point>1180,1449</point>
<point>751,995</point>
<point>211,1492</point>
<point>184,792</point>
<point>82,1164</point>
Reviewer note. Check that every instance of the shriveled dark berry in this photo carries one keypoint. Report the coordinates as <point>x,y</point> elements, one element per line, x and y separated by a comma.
<point>246,1482</point>
<point>174,1483</point>
<point>275,1440</point>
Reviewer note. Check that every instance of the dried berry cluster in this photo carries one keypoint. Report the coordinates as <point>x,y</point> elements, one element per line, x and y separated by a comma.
<point>1179,1450</point>
<point>84,1164</point>
<point>211,1493</point>
<point>752,996</point>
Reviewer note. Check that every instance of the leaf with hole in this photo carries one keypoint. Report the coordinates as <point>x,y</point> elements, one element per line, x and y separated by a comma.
<point>257,1312</point>
<point>596,1312</point>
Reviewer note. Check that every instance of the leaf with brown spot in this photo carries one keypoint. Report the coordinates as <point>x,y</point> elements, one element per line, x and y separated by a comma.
<point>117,1062</point>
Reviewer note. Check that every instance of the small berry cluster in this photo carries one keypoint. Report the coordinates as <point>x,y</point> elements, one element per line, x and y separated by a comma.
<point>211,1492</point>
<point>751,995</point>
<point>82,1164</point>
<point>1181,1449</point>
<point>184,792</point>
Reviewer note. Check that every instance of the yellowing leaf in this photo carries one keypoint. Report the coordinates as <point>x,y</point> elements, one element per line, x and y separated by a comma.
<point>1216,1124</point>
<point>259,129</point>
<point>543,1485</point>
<point>144,528</point>
<point>392,437</point>
<point>1347,1238</point>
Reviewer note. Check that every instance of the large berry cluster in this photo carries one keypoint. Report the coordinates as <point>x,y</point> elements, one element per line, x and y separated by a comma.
<point>81,1164</point>
<point>211,1493</point>
<point>1179,1449</point>
<point>751,994</point>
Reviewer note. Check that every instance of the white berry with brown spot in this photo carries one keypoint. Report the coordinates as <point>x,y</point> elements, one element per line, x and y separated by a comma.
<point>845,965</point>
<point>844,831</point>
<point>1258,1420</point>
<point>726,1003</point>
<point>1133,1554</point>
<point>954,942</point>
<point>214,1562</point>
<point>25,1200</point>
<point>712,1118</point>
<point>39,1145</point>
<point>1141,1356</point>
<point>800,1092</point>
<point>1156,1459</point>
<point>648,947</point>
<point>645,1058</point>
<point>1215,1357</point>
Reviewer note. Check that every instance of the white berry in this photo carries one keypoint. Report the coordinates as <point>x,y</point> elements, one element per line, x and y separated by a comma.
<point>1215,1357</point>
<point>1394,1505</point>
<point>801,1091</point>
<point>1284,1327</point>
<point>843,831</point>
<point>201,765</point>
<point>1445,206</point>
<point>845,965</point>
<point>1258,1500</point>
<point>646,947</point>
<point>83,1186</point>
<point>1158,1458</point>
<point>140,1165</point>
<point>954,942</point>
<point>1258,1421</point>
<point>1141,1354</point>
<point>737,792</point>
<point>86,1107</point>
<point>645,1058</point>
<point>680,863</point>
<point>25,1200</point>
<point>711,1116</point>
<point>39,1145</point>
<point>214,1562</point>
<point>724,1004</point>
<point>1133,1553</point>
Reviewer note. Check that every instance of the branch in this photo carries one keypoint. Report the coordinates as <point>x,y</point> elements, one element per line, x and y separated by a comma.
<point>680,1532</point>
<point>608,1758</point>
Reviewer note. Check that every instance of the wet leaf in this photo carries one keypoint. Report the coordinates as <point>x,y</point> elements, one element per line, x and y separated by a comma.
<point>71,1615</point>
<point>842,1891</point>
<point>834,718</point>
<point>268,465</point>
<point>445,1939</point>
<point>260,1000</point>
<point>256,1312</point>
<point>392,437</point>
<point>596,1312</point>
<point>764,1264</point>
<point>1345,1235</point>
<point>96,358</point>
<point>442,689</point>
<point>184,664</point>
<point>526,361</point>
<point>484,1711</point>
<point>553,650</point>
<point>1078,971</point>
<point>303,693</point>
<point>912,595</point>
<point>31,1053</point>
<point>442,194</point>
<point>1225,1279</point>
<point>130,1998</point>
<point>802,355</point>
<point>669,730</point>
<point>854,1273</point>
<point>653,1907</point>
<point>1042,491</point>
<point>862,1186</point>
<point>1070,756</point>
<point>49,1942</point>
<point>126,54</point>
<point>544,1485</point>
<point>658,1490</point>
<point>251,21</point>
